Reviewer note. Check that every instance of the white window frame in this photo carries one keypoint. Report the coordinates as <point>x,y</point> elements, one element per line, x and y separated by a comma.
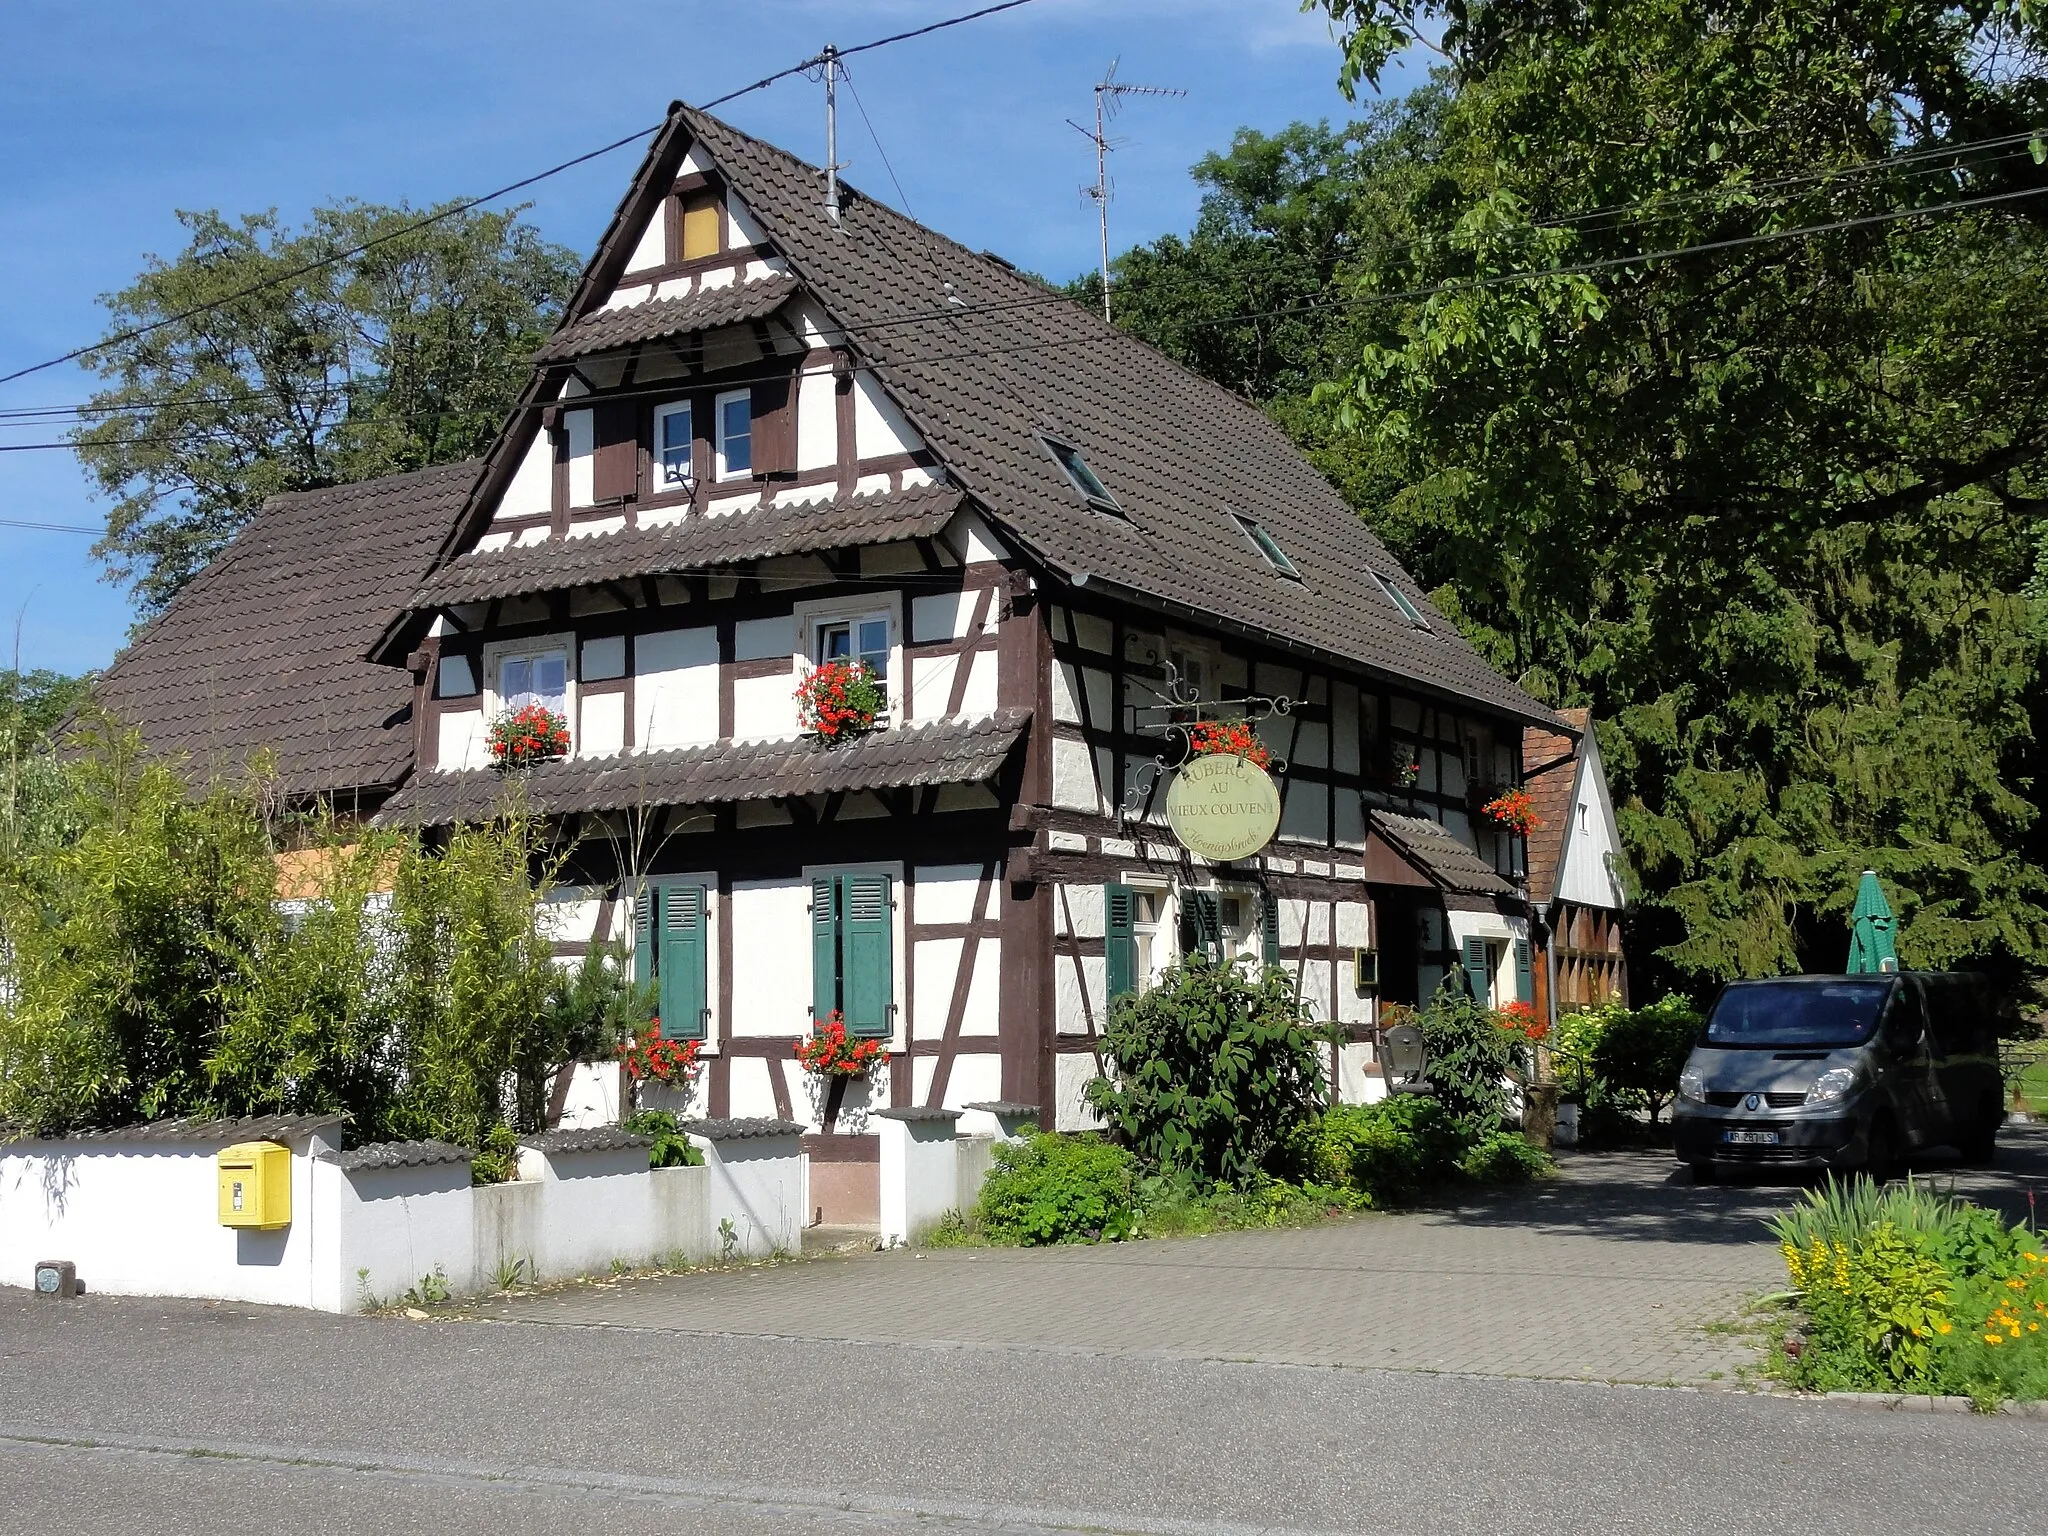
<point>659,468</point>
<point>1401,601</point>
<point>813,616</point>
<point>494,655</point>
<point>718,404</point>
<point>1155,942</point>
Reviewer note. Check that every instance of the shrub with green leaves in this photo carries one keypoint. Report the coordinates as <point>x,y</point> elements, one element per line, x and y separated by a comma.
<point>1471,1062</point>
<point>1641,1051</point>
<point>1049,1188</point>
<point>1503,1157</point>
<point>1212,1070</point>
<point>672,1146</point>
<point>1390,1151</point>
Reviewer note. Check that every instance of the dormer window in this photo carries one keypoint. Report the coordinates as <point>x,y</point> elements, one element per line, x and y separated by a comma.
<point>1084,479</point>
<point>1266,545</point>
<point>674,443</point>
<point>735,416</point>
<point>1400,600</point>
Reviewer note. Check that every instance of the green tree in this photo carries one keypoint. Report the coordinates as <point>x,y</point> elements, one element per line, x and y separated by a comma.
<point>32,705</point>
<point>1772,509</point>
<point>400,357</point>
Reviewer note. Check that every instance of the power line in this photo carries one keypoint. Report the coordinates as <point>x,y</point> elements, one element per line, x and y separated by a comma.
<point>902,196</point>
<point>15,522</point>
<point>453,209</point>
<point>26,415</point>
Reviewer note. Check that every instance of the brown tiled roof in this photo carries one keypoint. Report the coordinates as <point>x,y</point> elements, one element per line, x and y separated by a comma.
<point>609,329</point>
<point>694,544</point>
<point>1550,772</point>
<point>265,647</point>
<point>1440,855</point>
<point>943,752</point>
<point>983,360</point>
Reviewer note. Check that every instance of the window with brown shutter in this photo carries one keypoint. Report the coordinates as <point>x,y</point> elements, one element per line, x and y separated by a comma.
<point>775,427</point>
<point>615,462</point>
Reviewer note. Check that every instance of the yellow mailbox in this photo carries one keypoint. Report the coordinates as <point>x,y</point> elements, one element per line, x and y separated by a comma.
<point>256,1185</point>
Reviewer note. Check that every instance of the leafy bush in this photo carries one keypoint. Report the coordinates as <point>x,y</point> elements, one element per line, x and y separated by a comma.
<point>1502,1157</point>
<point>1048,1188</point>
<point>1213,1071</point>
<point>1184,1207</point>
<point>1388,1151</point>
<point>1471,1061</point>
<point>672,1148</point>
<point>1907,1291</point>
<point>1641,1051</point>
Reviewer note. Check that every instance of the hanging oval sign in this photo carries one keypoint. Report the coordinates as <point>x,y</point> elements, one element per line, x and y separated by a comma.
<point>1223,807</point>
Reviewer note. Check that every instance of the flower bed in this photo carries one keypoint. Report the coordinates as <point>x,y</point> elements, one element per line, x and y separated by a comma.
<point>1903,1291</point>
<point>531,734</point>
<point>1233,738</point>
<point>831,1053</point>
<point>839,699</point>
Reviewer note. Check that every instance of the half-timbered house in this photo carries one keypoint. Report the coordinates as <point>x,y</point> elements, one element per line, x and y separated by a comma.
<point>1576,887</point>
<point>767,434</point>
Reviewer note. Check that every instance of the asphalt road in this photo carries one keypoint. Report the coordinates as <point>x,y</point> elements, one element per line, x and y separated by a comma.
<point>124,1416</point>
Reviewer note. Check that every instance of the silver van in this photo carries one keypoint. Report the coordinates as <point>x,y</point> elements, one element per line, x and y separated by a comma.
<point>1841,1072</point>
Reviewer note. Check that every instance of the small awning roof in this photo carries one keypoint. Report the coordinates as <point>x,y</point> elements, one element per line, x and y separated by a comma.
<point>697,543</point>
<point>609,330</point>
<point>943,752</point>
<point>1439,857</point>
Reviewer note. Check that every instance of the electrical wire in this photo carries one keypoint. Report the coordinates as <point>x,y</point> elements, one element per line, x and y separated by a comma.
<point>669,388</point>
<point>16,522</point>
<point>902,196</point>
<point>466,205</point>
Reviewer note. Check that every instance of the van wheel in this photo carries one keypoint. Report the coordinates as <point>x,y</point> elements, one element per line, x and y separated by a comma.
<point>1881,1152</point>
<point>1979,1144</point>
<point>1704,1174</point>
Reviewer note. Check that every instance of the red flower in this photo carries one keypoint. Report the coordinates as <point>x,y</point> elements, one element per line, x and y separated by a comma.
<point>529,734</point>
<point>649,1058</point>
<point>1236,738</point>
<point>829,1053</point>
<point>1523,1019</point>
<point>1513,809</point>
<point>839,697</point>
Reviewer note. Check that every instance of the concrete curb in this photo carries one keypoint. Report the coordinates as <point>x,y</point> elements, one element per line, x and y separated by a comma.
<point>1917,1402</point>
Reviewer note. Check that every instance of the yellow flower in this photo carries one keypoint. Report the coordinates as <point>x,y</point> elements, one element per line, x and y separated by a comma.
<point>1992,1338</point>
<point>2033,1327</point>
<point>2017,1284</point>
<point>1944,1327</point>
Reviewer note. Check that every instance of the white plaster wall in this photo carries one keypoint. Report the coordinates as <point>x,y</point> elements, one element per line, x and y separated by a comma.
<point>878,427</point>
<point>764,639</point>
<point>676,688</point>
<point>758,1184</point>
<point>1074,1071</point>
<point>945,893</point>
<point>969,538</point>
<point>976,1078</point>
<point>920,1177</point>
<point>602,730</point>
<point>1591,841</point>
<point>1074,783</point>
<point>931,685</point>
<point>764,708</point>
<point>1358,1077</point>
<point>461,741</point>
<point>771,962</point>
<point>946,616</point>
<point>1078,993</point>
<point>581,429</point>
<point>397,1227</point>
<point>593,1098</point>
<point>531,492</point>
<point>142,1219</point>
<point>651,249</point>
<point>817,422</point>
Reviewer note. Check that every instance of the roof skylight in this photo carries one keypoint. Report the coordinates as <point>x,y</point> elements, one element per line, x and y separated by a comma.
<point>1400,600</point>
<point>1267,545</point>
<point>1084,479</point>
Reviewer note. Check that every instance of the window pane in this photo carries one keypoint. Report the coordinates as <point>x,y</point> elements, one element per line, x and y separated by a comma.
<point>735,435</point>
<point>675,446</point>
<point>874,645</point>
<point>835,642</point>
<point>551,679</point>
<point>515,681</point>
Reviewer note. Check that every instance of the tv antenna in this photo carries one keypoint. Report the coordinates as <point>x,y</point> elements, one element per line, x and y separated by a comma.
<point>827,63</point>
<point>1109,95</point>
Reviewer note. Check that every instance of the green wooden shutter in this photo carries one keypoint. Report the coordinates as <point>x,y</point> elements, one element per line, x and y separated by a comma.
<point>1478,974</point>
<point>1269,926</point>
<point>1201,923</point>
<point>1120,939</point>
<point>643,933</point>
<point>685,962</point>
<point>1525,981</point>
<point>824,948</point>
<point>869,982</point>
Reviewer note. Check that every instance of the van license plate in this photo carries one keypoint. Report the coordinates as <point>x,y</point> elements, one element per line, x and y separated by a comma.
<point>1750,1138</point>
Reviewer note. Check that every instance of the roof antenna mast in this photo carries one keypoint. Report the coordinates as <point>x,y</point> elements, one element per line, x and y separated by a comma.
<point>1109,95</point>
<point>828,61</point>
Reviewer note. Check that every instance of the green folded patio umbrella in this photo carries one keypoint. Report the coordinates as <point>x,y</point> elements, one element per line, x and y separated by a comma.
<point>1870,929</point>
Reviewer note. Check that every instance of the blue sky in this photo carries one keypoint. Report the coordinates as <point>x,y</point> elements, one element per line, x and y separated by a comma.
<point>117,114</point>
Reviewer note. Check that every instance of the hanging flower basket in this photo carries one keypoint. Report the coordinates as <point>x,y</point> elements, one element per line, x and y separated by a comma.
<point>840,699</point>
<point>1234,738</point>
<point>1514,810</point>
<point>531,734</point>
<point>650,1059</point>
<point>829,1053</point>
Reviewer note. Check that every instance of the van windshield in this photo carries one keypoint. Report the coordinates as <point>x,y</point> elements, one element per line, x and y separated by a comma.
<point>1808,1013</point>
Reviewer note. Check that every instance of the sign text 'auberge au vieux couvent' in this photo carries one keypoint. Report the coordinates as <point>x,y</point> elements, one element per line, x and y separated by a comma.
<point>1223,807</point>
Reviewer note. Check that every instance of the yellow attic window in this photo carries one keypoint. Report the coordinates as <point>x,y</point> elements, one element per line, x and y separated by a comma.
<point>702,221</point>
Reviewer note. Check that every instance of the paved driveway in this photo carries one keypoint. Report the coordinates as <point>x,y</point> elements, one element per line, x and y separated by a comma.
<point>1616,1271</point>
